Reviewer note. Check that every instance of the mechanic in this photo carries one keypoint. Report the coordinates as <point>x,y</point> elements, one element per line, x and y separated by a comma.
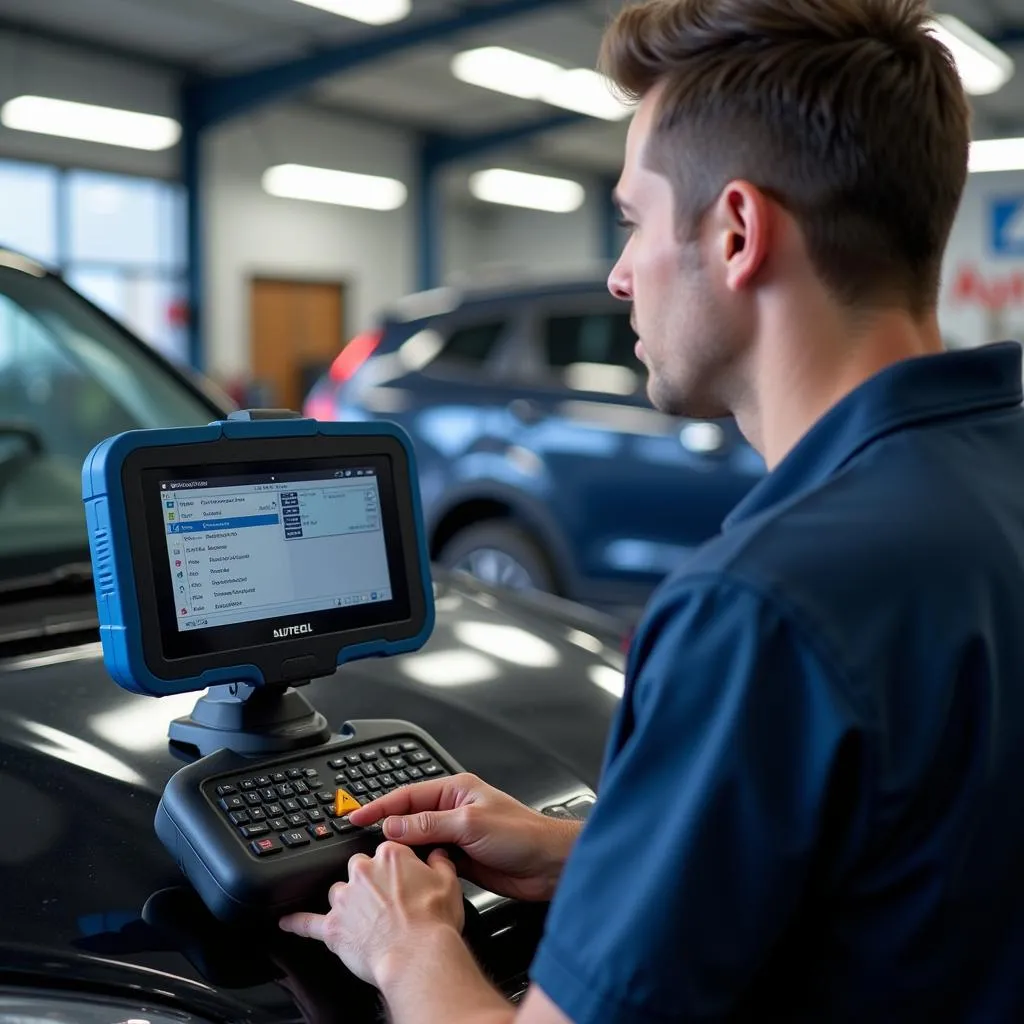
<point>809,802</point>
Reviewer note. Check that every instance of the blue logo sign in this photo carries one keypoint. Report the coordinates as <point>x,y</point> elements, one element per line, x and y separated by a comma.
<point>1006,221</point>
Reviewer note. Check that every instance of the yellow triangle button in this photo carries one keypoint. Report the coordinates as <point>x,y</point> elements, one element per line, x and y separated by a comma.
<point>345,802</point>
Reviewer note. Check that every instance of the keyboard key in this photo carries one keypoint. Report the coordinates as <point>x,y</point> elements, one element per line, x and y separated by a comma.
<point>253,799</point>
<point>419,757</point>
<point>300,787</point>
<point>354,773</point>
<point>265,847</point>
<point>262,781</point>
<point>248,784</point>
<point>368,770</point>
<point>326,796</point>
<point>268,793</point>
<point>309,772</point>
<point>315,815</point>
<point>357,788</point>
<point>373,784</point>
<point>249,831</point>
<point>232,803</point>
<point>408,748</point>
<point>258,814</point>
<point>342,824</point>
<point>274,810</point>
<point>314,783</point>
<point>432,769</point>
<point>296,819</point>
<point>226,790</point>
<point>307,801</point>
<point>294,773</point>
<point>401,777</point>
<point>392,751</point>
<point>295,839</point>
<point>368,755</point>
<point>239,817</point>
<point>415,773</point>
<point>321,830</point>
<point>339,762</point>
<point>398,762</point>
<point>285,790</point>
<point>383,766</point>
<point>351,758</point>
<point>387,781</point>
<point>279,824</point>
<point>278,777</point>
<point>290,806</point>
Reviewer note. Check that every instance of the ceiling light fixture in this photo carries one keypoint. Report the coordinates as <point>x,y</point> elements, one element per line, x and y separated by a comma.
<point>529,191</point>
<point>370,12</point>
<point>989,155</point>
<point>983,67</point>
<point>530,78</point>
<point>89,123</point>
<point>339,188</point>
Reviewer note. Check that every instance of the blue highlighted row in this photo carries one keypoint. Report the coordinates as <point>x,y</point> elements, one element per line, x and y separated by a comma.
<point>236,523</point>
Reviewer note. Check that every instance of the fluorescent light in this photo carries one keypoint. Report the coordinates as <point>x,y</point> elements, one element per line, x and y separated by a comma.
<point>371,12</point>
<point>502,70</point>
<point>983,67</point>
<point>84,121</point>
<point>530,78</point>
<point>531,191</point>
<point>997,155</point>
<point>341,188</point>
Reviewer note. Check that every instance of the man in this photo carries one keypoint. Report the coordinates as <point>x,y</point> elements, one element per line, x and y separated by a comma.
<point>808,810</point>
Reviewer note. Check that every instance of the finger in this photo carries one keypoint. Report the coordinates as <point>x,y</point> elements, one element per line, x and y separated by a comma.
<point>308,926</point>
<point>421,796</point>
<point>440,861</point>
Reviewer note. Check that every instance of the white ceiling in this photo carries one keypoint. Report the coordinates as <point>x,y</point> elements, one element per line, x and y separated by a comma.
<point>415,87</point>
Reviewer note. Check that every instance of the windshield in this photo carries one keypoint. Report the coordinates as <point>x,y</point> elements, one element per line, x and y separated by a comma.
<point>68,379</point>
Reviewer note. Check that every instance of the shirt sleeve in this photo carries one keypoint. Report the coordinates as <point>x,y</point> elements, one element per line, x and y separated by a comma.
<point>734,742</point>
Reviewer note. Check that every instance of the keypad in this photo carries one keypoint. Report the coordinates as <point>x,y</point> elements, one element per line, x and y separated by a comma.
<point>288,808</point>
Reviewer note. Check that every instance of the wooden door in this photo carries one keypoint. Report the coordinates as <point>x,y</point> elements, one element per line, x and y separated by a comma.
<point>296,330</point>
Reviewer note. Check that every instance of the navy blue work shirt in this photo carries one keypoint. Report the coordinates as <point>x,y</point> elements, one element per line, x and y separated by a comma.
<point>812,805</point>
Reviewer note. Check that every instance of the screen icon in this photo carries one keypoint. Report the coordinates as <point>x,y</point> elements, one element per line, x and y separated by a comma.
<point>169,504</point>
<point>184,611</point>
<point>171,517</point>
<point>177,563</point>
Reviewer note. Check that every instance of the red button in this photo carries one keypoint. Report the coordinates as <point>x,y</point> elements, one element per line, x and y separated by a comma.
<point>321,831</point>
<point>262,847</point>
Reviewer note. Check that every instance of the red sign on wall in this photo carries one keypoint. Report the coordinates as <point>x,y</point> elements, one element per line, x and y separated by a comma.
<point>974,287</point>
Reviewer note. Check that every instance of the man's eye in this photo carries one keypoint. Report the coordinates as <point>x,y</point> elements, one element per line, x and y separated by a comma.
<point>623,223</point>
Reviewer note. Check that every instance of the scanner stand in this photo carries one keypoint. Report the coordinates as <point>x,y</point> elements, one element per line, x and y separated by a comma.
<point>250,720</point>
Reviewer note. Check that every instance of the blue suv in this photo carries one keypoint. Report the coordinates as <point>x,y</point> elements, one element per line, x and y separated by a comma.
<point>542,463</point>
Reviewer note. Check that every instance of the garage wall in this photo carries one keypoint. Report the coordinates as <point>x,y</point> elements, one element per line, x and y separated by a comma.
<point>30,66</point>
<point>251,233</point>
<point>983,274</point>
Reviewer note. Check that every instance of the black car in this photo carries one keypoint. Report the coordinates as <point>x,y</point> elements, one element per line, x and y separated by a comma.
<point>96,921</point>
<point>542,463</point>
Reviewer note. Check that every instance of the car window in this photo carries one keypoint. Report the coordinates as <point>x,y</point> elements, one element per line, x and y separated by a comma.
<point>471,345</point>
<point>68,379</point>
<point>593,351</point>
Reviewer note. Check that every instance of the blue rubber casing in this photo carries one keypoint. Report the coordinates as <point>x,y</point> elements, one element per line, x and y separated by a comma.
<point>113,569</point>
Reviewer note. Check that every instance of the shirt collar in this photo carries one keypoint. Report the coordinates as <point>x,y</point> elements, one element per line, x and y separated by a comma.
<point>910,392</point>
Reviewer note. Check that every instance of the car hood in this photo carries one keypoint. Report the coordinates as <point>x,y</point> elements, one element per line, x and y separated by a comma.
<point>521,692</point>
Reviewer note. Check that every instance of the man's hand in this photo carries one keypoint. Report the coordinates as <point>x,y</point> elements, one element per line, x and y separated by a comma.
<point>391,904</point>
<point>509,848</point>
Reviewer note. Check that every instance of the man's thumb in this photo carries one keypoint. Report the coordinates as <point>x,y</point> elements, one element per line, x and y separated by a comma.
<point>424,827</point>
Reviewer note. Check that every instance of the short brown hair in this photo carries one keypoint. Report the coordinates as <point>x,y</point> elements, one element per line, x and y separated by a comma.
<point>847,112</point>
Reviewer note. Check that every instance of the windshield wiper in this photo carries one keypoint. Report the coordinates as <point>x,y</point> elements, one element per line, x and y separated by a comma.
<point>74,577</point>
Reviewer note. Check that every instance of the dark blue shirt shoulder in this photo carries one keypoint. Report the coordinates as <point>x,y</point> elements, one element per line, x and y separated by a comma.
<point>808,806</point>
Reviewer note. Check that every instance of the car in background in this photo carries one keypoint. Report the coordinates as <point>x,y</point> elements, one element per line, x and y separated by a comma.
<point>542,463</point>
<point>97,924</point>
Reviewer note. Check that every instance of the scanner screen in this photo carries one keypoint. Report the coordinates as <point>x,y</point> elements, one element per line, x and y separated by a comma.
<point>264,546</point>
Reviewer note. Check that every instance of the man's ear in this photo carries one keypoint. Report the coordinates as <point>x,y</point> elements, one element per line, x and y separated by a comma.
<point>743,227</point>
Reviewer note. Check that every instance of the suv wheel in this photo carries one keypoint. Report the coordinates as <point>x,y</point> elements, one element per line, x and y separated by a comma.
<point>500,554</point>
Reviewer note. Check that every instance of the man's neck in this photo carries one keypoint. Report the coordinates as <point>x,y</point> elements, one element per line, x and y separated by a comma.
<point>804,367</point>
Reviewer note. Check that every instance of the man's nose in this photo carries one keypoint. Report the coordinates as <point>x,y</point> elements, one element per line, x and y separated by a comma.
<point>620,282</point>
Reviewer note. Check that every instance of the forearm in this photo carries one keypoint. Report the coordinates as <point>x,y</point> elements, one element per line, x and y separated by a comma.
<point>437,981</point>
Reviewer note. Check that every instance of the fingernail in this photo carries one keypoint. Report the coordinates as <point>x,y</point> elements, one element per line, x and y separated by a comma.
<point>394,827</point>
